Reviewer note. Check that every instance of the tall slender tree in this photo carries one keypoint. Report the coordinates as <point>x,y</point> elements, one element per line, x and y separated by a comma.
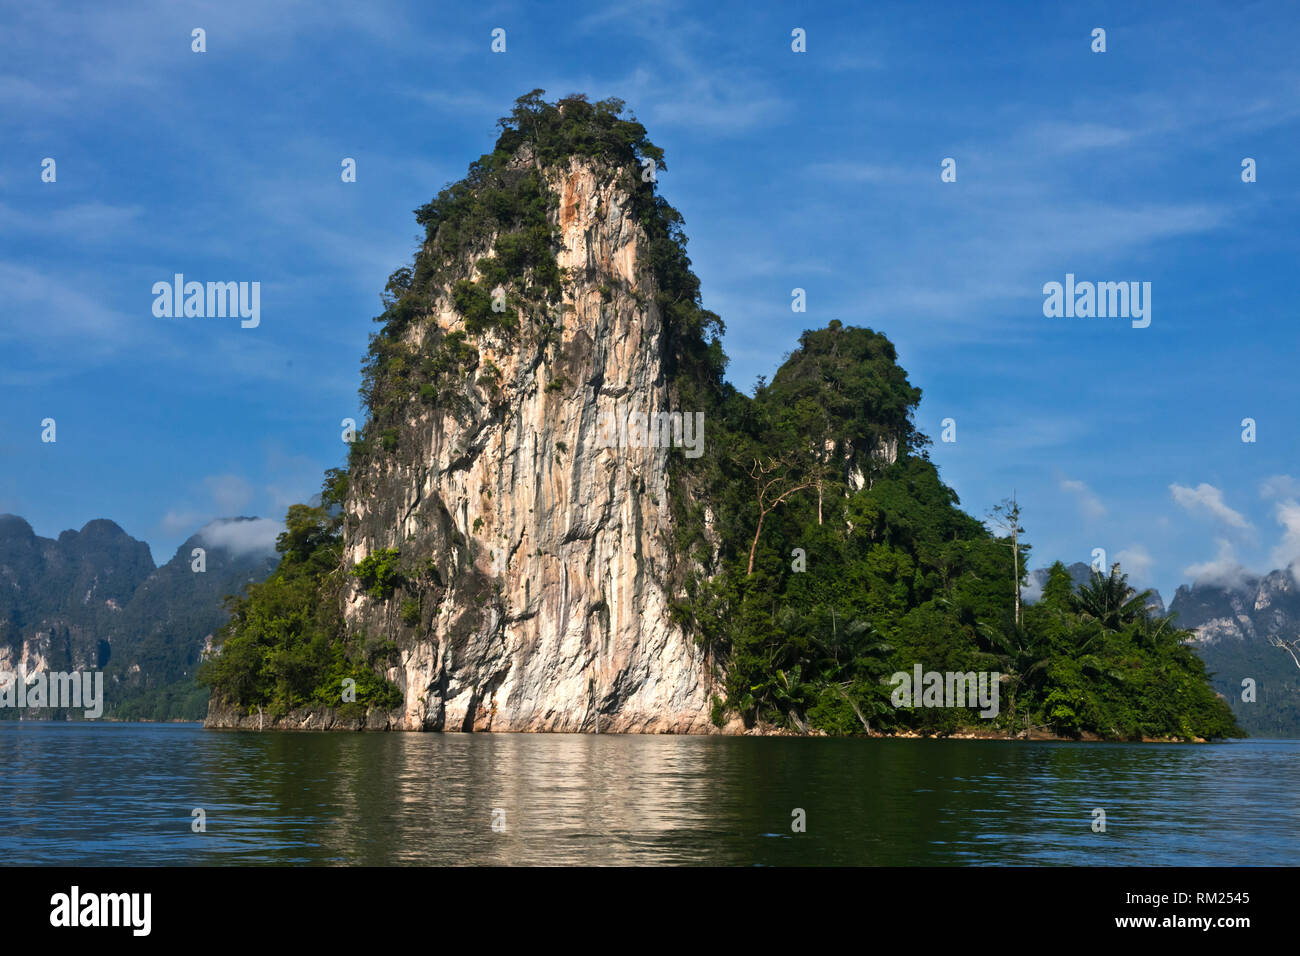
<point>1006,518</point>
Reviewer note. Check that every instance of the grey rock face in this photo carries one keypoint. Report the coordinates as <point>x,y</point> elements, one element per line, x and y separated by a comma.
<point>1252,608</point>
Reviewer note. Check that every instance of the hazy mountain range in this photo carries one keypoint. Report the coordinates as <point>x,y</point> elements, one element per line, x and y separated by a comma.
<point>1234,624</point>
<point>94,599</point>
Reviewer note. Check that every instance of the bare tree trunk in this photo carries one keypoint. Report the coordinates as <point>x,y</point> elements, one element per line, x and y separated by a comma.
<point>753,548</point>
<point>856,710</point>
<point>761,489</point>
<point>1278,642</point>
<point>1015,563</point>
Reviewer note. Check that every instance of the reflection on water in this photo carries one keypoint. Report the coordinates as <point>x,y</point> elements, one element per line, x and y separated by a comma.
<point>109,794</point>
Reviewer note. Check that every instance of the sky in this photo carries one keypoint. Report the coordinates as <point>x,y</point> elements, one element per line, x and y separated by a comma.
<point>817,170</point>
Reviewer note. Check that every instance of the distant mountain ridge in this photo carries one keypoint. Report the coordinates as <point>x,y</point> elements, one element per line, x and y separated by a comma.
<point>1234,622</point>
<point>93,599</point>
<point>1253,608</point>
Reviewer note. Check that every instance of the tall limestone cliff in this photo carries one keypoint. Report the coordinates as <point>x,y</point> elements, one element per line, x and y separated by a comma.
<point>536,564</point>
<point>501,553</point>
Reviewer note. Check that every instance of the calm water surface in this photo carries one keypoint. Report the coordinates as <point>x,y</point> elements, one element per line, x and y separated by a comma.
<point>114,794</point>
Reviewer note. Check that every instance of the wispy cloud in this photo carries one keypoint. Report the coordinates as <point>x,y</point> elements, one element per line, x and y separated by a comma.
<point>181,521</point>
<point>1060,137</point>
<point>54,323</point>
<point>696,78</point>
<point>1207,499</point>
<point>83,54</point>
<point>864,172</point>
<point>1089,503</point>
<point>1287,551</point>
<point>87,222</point>
<point>1136,561</point>
<point>1279,486</point>
<point>230,493</point>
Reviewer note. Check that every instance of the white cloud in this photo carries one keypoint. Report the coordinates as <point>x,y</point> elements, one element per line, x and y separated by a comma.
<point>57,322</point>
<point>229,496</point>
<point>1288,549</point>
<point>1089,503</point>
<point>85,222</point>
<point>1222,571</point>
<point>1059,137</point>
<point>181,522</point>
<point>254,536</point>
<point>43,306</point>
<point>83,53</point>
<point>685,81</point>
<point>1136,562</point>
<point>1279,486</point>
<point>1208,499</point>
<point>859,172</point>
<point>230,492</point>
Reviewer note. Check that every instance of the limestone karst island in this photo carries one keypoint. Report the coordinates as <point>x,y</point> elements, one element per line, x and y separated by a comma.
<point>560,516</point>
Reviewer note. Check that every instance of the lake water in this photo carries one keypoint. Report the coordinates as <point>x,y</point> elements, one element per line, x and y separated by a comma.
<point>123,794</point>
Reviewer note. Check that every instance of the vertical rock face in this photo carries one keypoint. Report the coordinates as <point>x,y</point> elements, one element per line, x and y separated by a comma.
<point>535,562</point>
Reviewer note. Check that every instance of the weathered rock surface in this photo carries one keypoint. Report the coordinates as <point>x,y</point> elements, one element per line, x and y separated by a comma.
<point>544,604</point>
<point>230,717</point>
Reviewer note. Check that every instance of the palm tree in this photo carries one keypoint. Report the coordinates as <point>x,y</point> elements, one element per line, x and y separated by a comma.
<point>819,650</point>
<point>1022,654</point>
<point>1110,601</point>
<point>1156,631</point>
<point>853,660</point>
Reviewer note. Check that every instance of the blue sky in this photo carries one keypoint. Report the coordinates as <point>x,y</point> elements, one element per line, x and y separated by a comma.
<point>817,170</point>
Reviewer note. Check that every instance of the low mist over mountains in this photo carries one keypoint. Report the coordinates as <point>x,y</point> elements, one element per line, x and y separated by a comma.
<point>93,599</point>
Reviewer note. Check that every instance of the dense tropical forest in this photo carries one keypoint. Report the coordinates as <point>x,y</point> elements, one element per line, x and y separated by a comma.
<point>284,645</point>
<point>819,551</point>
<point>867,567</point>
